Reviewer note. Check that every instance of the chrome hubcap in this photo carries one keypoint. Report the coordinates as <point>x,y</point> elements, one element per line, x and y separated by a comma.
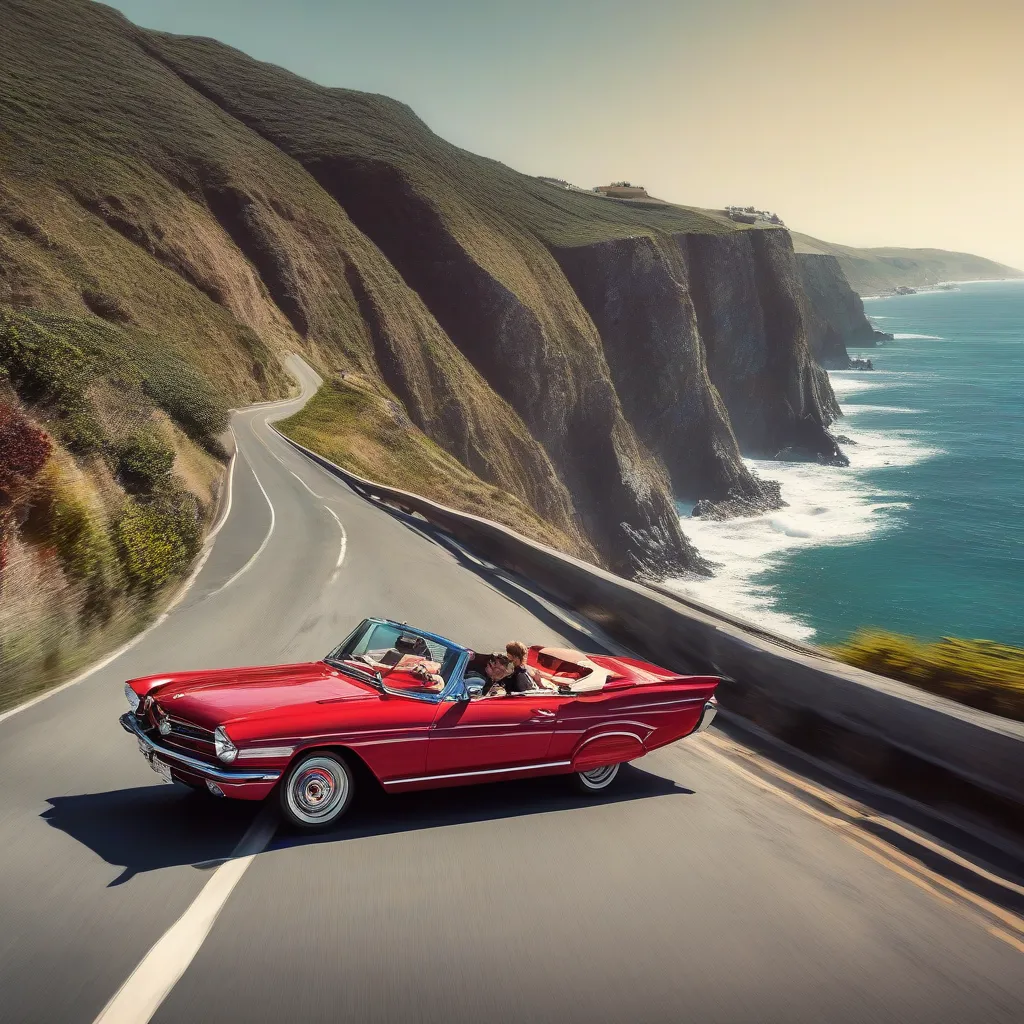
<point>597,778</point>
<point>314,788</point>
<point>317,790</point>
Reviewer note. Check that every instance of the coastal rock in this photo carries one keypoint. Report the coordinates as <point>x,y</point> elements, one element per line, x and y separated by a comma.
<point>810,452</point>
<point>736,505</point>
<point>861,364</point>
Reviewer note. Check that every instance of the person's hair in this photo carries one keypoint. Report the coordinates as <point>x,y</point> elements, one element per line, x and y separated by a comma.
<point>500,656</point>
<point>516,649</point>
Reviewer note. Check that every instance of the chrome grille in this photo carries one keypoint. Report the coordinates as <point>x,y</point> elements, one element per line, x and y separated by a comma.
<point>192,732</point>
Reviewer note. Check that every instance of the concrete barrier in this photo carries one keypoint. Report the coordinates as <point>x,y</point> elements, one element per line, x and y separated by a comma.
<point>880,727</point>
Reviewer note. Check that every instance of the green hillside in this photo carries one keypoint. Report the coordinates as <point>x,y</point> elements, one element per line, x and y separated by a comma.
<point>176,216</point>
<point>874,271</point>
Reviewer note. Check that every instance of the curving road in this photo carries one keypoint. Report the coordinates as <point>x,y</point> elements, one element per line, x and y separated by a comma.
<point>710,887</point>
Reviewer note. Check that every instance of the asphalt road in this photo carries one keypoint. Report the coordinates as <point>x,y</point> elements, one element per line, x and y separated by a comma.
<point>690,893</point>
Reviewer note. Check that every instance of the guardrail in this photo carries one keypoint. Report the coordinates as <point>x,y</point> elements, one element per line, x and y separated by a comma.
<point>885,729</point>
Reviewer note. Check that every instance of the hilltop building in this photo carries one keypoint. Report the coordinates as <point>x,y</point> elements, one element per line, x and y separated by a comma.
<point>622,190</point>
<point>748,215</point>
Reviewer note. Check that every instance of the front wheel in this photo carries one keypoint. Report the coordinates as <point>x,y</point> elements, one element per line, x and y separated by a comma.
<point>317,791</point>
<point>597,779</point>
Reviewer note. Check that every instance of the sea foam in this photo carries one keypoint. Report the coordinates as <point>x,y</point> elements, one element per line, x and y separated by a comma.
<point>826,506</point>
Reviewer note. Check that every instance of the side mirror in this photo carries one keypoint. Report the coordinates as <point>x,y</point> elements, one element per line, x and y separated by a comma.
<point>474,688</point>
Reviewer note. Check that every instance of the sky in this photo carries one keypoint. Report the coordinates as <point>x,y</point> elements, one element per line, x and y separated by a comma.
<point>859,121</point>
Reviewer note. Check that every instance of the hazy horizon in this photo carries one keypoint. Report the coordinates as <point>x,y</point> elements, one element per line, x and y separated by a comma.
<point>870,124</point>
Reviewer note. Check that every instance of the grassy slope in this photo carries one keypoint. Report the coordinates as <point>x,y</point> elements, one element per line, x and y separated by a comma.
<point>309,121</point>
<point>357,424</point>
<point>871,271</point>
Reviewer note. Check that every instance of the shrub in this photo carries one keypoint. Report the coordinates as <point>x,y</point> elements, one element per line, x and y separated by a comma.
<point>185,397</point>
<point>24,450</point>
<point>979,673</point>
<point>54,358</point>
<point>82,433</point>
<point>42,365</point>
<point>158,538</point>
<point>143,461</point>
<point>79,536</point>
<point>63,519</point>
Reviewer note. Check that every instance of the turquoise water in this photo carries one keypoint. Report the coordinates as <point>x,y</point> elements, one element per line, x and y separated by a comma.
<point>924,533</point>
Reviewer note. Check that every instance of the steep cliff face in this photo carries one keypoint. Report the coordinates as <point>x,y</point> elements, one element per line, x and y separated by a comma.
<point>835,312</point>
<point>495,291</point>
<point>637,293</point>
<point>519,326</point>
<point>751,314</point>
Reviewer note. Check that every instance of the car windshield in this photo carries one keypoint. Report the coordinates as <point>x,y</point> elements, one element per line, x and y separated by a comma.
<point>380,646</point>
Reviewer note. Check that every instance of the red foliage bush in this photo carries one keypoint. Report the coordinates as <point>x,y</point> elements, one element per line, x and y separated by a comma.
<point>24,449</point>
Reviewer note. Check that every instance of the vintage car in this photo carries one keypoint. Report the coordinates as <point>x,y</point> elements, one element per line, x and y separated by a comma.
<point>308,730</point>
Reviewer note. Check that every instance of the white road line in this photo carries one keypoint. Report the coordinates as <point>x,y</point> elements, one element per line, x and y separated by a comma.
<point>344,544</point>
<point>149,984</point>
<point>266,540</point>
<point>321,497</point>
<point>227,507</point>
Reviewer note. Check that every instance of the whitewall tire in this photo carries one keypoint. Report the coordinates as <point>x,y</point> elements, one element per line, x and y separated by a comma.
<point>317,790</point>
<point>597,780</point>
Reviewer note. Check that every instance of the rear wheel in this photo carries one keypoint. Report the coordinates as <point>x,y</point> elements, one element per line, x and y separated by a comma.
<point>317,791</point>
<point>597,779</point>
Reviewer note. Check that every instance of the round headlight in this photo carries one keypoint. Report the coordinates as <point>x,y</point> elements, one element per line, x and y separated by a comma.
<point>133,697</point>
<point>164,727</point>
<point>226,750</point>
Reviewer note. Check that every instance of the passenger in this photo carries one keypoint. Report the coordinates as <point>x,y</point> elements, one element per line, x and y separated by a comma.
<point>525,677</point>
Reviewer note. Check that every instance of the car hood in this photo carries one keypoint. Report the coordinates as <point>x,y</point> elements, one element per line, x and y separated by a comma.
<point>213,698</point>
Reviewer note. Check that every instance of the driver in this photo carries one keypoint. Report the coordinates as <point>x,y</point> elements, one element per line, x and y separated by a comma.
<point>498,668</point>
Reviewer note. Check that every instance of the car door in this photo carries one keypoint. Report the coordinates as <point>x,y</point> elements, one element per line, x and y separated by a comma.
<point>489,734</point>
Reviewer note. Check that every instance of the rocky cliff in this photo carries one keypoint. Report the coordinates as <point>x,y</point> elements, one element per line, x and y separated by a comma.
<point>752,315</point>
<point>835,312</point>
<point>591,357</point>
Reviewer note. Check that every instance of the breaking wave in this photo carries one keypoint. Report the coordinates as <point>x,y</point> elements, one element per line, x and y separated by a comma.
<point>826,506</point>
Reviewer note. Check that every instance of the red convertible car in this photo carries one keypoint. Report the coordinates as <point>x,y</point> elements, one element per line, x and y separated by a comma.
<point>302,729</point>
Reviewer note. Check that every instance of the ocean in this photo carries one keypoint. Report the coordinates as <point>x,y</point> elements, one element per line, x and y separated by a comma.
<point>924,532</point>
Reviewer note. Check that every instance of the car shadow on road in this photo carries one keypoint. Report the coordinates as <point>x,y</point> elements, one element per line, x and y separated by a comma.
<point>151,827</point>
<point>376,813</point>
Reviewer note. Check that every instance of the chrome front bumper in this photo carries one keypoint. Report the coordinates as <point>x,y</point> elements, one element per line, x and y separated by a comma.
<point>706,716</point>
<point>192,765</point>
